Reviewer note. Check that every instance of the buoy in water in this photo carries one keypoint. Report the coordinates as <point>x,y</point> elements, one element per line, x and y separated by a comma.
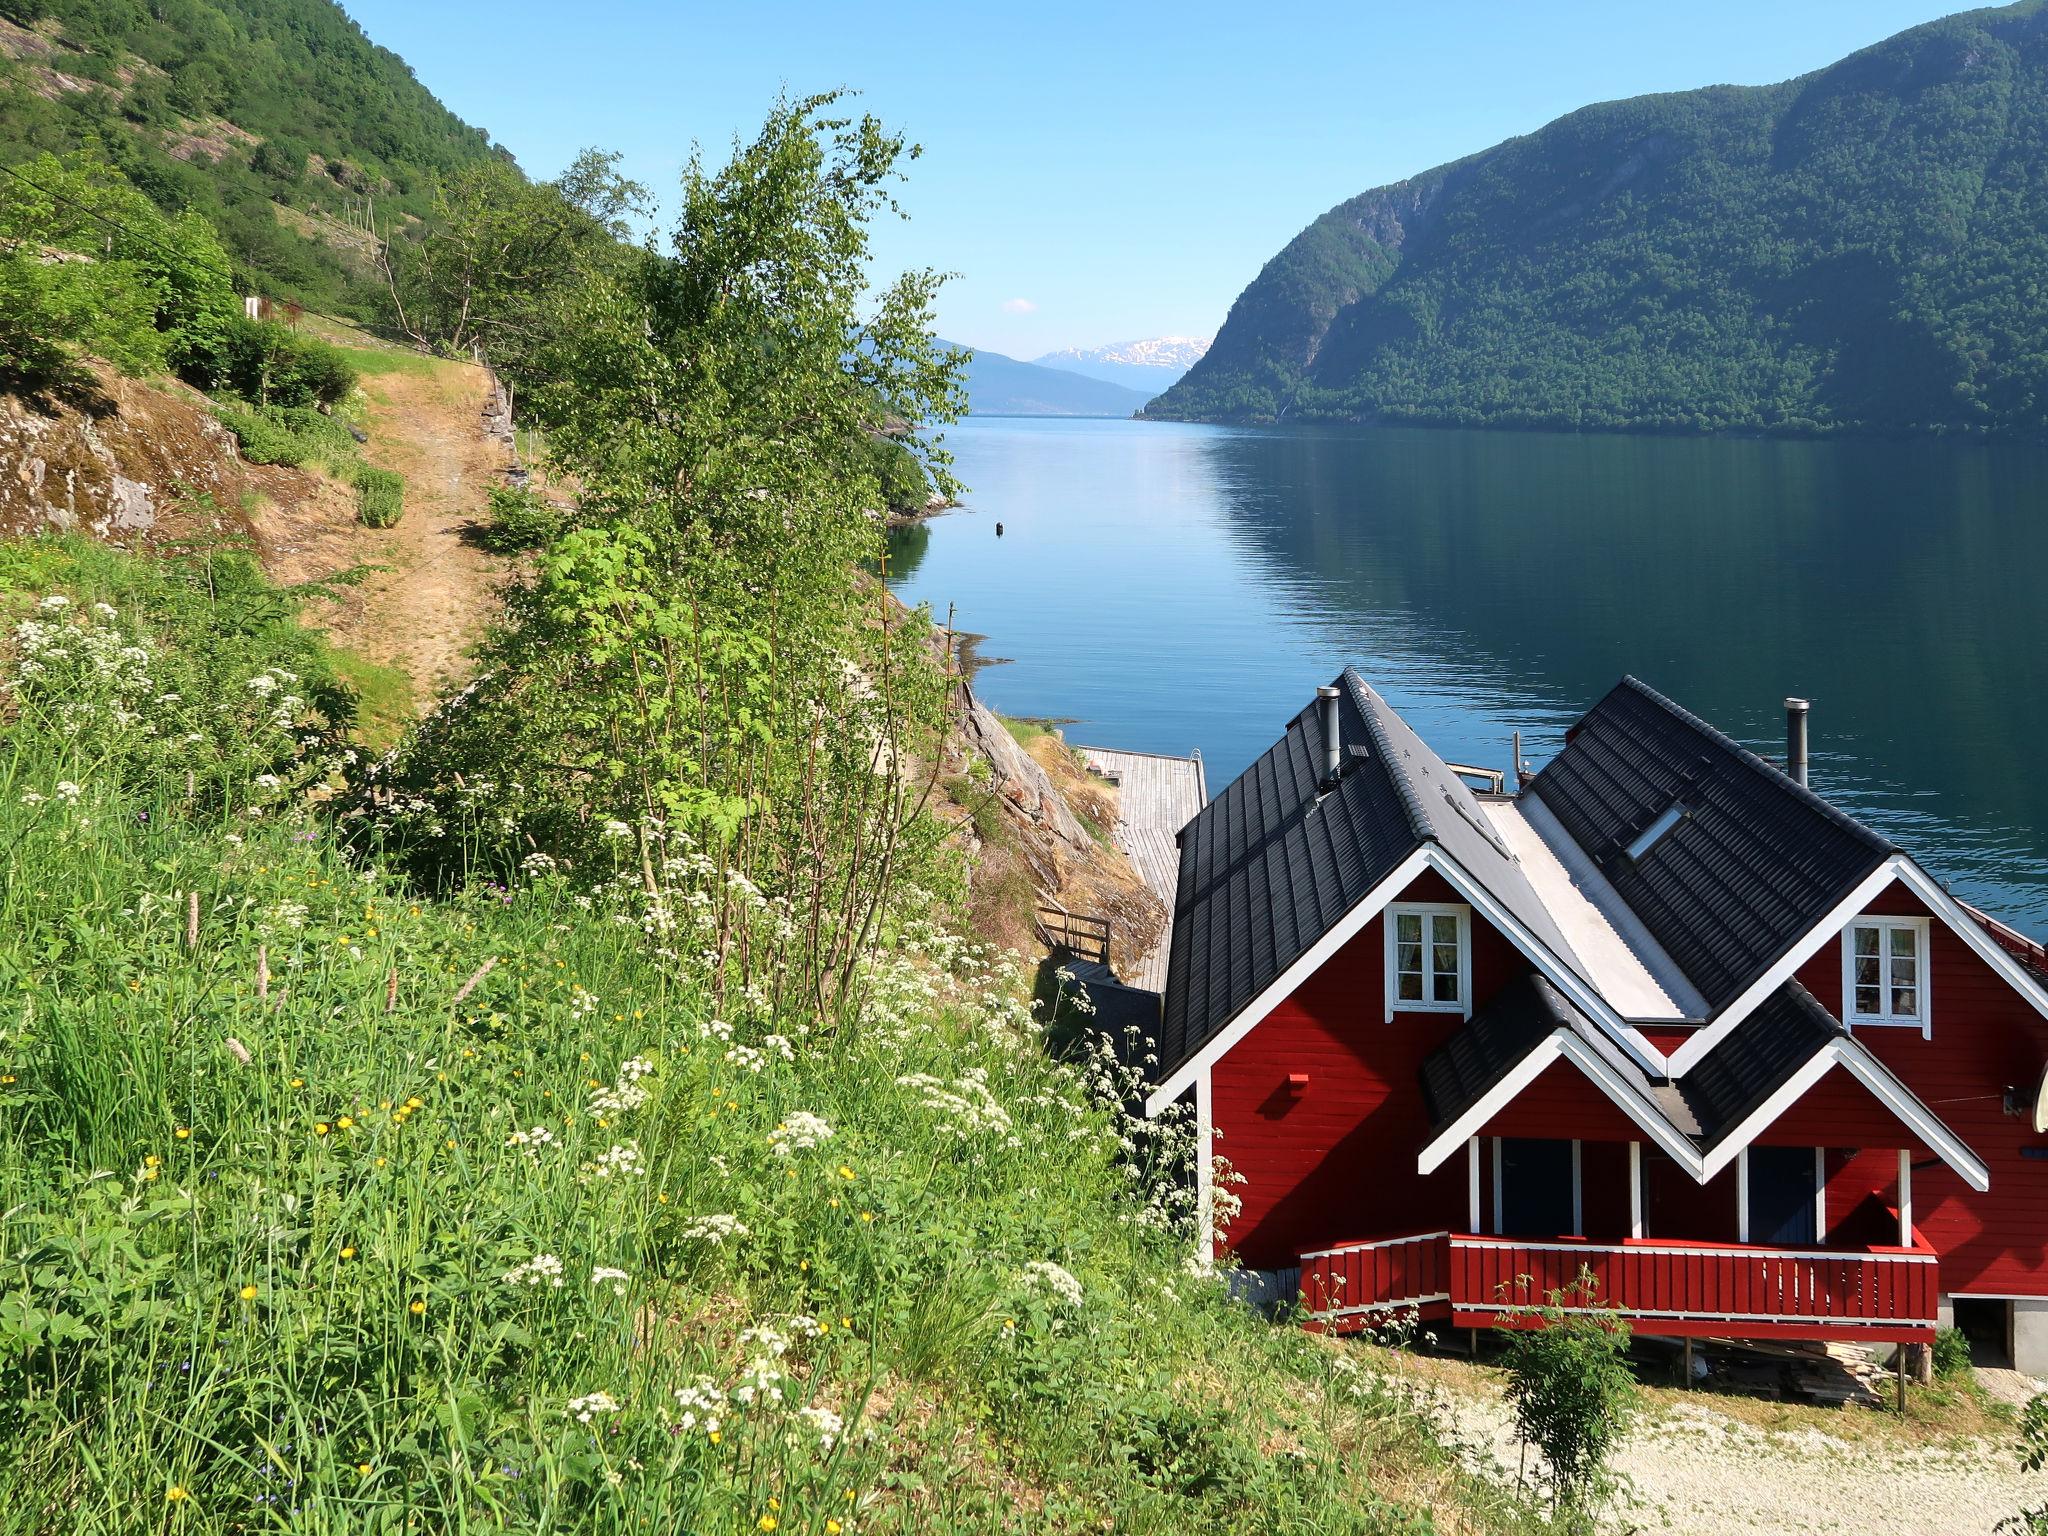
<point>999,530</point>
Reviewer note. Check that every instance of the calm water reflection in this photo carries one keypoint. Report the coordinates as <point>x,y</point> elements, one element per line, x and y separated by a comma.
<point>1173,587</point>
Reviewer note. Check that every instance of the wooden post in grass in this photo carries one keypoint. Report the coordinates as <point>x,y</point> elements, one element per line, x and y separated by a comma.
<point>1901,1367</point>
<point>1685,1370</point>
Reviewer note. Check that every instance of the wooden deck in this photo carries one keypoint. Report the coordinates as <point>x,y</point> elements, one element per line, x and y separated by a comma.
<point>1156,797</point>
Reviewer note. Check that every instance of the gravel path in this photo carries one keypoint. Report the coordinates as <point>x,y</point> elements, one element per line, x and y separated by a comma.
<point>1693,1471</point>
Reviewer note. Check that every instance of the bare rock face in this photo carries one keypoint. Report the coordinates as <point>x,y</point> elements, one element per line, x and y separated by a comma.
<point>109,464</point>
<point>1018,778</point>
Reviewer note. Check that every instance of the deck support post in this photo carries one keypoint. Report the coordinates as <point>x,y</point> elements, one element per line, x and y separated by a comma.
<point>1685,1370</point>
<point>1901,1367</point>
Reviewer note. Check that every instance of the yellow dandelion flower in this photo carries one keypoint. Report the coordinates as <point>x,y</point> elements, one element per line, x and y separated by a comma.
<point>451,1143</point>
<point>833,1202</point>
<point>363,1467</point>
<point>833,1528</point>
<point>845,1172</point>
<point>151,1161</point>
<point>846,1322</point>
<point>867,1215</point>
<point>661,1199</point>
<point>380,1162</point>
<point>415,1103</point>
<point>298,1082</point>
<point>6,1077</point>
<point>418,1309</point>
<point>175,1492</point>
<point>248,1293</point>
<point>321,1128</point>
<point>775,1504</point>
<point>183,1133</point>
<point>348,1253</point>
<point>344,1122</point>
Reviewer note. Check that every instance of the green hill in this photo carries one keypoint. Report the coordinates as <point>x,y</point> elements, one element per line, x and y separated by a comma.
<point>1861,249</point>
<point>277,119</point>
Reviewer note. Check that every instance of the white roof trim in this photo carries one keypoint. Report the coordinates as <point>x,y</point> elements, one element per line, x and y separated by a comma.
<point>1562,1044</point>
<point>1865,1068</point>
<point>1704,1040</point>
<point>1898,867</point>
<point>1582,994</point>
<point>1253,1013</point>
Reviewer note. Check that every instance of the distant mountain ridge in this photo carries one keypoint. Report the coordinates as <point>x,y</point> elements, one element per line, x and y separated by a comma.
<point>1861,249</point>
<point>1151,365</point>
<point>1003,386</point>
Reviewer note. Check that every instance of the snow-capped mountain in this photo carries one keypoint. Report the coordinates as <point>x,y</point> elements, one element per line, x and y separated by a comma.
<point>1151,364</point>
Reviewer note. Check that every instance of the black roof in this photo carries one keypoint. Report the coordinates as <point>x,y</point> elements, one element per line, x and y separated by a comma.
<point>1521,1016</point>
<point>1755,1059</point>
<point>1755,862</point>
<point>1270,866</point>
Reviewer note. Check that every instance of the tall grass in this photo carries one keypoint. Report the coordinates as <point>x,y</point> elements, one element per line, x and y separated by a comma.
<point>337,1208</point>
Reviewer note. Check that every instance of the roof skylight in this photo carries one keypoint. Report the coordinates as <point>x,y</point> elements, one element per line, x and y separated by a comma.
<point>1648,838</point>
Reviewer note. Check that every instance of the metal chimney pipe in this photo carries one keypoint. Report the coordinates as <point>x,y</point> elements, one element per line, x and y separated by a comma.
<point>1795,738</point>
<point>1333,749</point>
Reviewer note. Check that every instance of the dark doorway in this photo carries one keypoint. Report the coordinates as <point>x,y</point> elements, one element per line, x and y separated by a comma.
<point>1536,1188</point>
<point>1986,1321</point>
<point>1782,1187</point>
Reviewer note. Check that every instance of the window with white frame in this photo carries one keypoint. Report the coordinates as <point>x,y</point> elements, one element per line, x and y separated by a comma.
<point>1429,958</point>
<point>1884,972</point>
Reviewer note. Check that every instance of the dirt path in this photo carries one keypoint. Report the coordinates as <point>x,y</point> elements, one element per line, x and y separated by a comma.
<point>438,588</point>
<point>433,589</point>
<point>1695,1471</point>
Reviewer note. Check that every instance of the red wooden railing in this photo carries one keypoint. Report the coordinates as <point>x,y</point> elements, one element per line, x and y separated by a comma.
<point>1719,1289</point>
<point>1358,1284</point>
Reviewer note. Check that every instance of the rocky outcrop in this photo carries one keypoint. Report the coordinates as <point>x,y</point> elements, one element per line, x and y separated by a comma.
<point>1017,776</point>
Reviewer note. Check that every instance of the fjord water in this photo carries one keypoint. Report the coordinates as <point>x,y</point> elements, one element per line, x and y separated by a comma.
<point>1169,587</point>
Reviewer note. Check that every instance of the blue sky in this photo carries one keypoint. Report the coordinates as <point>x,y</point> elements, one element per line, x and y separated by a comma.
<point>1097,172</point>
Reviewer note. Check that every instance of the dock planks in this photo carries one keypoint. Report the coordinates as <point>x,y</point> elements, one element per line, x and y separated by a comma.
<point>1156,797</point>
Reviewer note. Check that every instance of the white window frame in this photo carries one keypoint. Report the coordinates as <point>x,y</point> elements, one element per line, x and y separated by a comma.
<point>1919,927</point>
<point>1426,910</point>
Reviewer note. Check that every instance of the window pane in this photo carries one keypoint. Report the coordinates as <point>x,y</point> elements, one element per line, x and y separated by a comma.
<point>1866,940</point>
<point>1868,999</point>
<point>1867,970</point>
<point>1905,972</point>
<point>1905,1002</point>
<point>1443,959</point>
<point>1447,985</point>
<point>1444,929</point>
<point>1408,957</point>
<point>1905,941</point>
<point>1408,927</point>
<point>1408,987</point>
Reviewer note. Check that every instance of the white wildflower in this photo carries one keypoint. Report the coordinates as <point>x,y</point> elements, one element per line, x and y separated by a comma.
<point>617,1279</point>
<point>541,1269</point>
<point>799,1131</point>
<point>584,1409</point>
<point>714,1229</point>
<point>1048,1279</point>
<point>823,1423</point>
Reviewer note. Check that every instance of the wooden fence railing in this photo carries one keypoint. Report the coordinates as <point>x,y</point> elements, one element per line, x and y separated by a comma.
<point>1080,934</point>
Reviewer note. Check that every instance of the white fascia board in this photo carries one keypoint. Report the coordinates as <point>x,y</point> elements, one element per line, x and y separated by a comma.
<point>1789,1093</point>
<point>1555,971</point>
<point>1561,1043</point>
<point>1972,933</point>
<point>1901,1101</point>
<point>1312,960</point>
<point>1829,927</point>
<point>1867,1070</point>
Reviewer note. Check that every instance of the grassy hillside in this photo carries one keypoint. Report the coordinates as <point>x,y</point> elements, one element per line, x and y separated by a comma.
<point>339,1205</point>
<point>1862,249</point>
<point>277,119</point>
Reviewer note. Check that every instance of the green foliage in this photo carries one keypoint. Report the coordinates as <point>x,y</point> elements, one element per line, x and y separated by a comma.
<point>289,435</point>
<point>380,495</point>
<point>1951,1353</point>
<point>341,127</point>
<point>1861,249</point>
<point>476,1212</point>
<point>2033,1456</point>
<point>905,485</point>
<point>273,365</point>
<point>1571,1391</point>
<point>90,265</point>
<point>521,519</point>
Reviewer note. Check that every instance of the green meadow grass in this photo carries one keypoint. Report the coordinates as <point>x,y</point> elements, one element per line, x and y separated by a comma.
<point>335,1206</point>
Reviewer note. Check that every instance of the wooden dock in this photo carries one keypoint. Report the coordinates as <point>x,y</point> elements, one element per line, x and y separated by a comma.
<point>1156,797</point>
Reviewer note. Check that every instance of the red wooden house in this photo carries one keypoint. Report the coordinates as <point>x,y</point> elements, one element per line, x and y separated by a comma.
<point>1660,1012</point>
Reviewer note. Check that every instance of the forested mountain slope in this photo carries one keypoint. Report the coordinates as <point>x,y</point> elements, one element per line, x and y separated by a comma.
<point>1861,249</point>
<point>277,119</point>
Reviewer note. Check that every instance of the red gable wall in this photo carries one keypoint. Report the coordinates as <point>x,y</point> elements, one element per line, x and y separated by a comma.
<point>1338,1163</point>
<point>1986,1038</point>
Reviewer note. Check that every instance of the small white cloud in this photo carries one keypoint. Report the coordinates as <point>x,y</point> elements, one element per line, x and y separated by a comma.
<point>1018,306</point>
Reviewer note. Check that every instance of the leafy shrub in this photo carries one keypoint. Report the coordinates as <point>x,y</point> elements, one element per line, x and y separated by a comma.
<point>905,486</point>
<point>521,518</point>
<point>263,361</point>
<point>380,495</point>
<point>263,439</point>
<point>2033,1451</point>
<point>1571,1390</point>
<point>1951,1353</point>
